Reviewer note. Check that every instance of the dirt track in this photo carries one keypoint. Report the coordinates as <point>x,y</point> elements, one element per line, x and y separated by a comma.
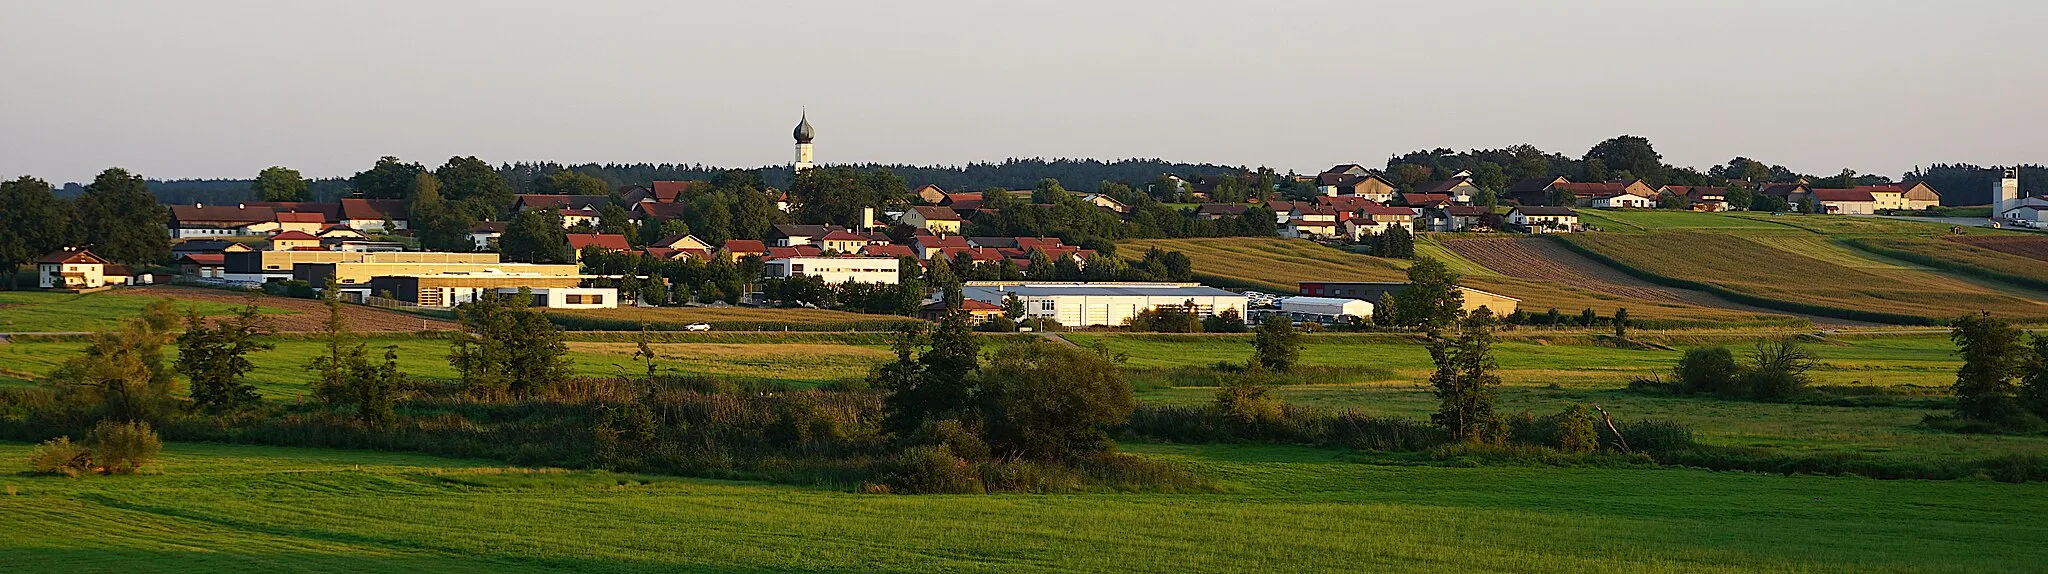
<point>1545,259</point>
<point>309,313</point>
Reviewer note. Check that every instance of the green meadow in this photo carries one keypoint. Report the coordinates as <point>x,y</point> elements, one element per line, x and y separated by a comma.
<point>43,312</point>
<point>223,508</point>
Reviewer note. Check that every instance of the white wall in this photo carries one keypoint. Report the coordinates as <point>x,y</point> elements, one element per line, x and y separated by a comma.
<point>837,269</point>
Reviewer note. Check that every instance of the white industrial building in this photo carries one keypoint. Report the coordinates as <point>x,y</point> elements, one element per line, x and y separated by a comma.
<point>1324,309</point>
<point>835,270</point>
<point>1104,304</point>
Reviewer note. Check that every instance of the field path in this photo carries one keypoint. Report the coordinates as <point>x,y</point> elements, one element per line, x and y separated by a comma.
<point>308,313</point>
<point>1546,259</point>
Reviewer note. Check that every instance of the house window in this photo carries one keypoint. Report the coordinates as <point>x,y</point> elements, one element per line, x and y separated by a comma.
<point>1045,306</point>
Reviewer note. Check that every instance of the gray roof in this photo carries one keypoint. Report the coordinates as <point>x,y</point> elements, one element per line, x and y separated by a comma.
<point>1108,290</point>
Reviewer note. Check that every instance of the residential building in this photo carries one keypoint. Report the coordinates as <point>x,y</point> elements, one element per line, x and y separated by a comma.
<point>200,220</point>
<point>1104,304</point>
<point>662,191</point>
<point>843,241</point>
<point>835,270</point>
<point>736,249</point>
<point>791,234</point>
<point>1845,201</point>
<point>203,265</point>
<point>1376,291</point>
<point>208,246</point>
<point>1353,180</point>
<point>1544,218</point>
<point>930,245</point>
<point>1533,191</point>
<point>939,220</point>
<point>1309,221</point>
<point>575,217</point>
<point>71,269</point>
<point>307,222</point>
<point>1457,218</point>
<point>1611,195</point>
<point>1104,201</point>
<point>526,201</point>
<point>1705,198</point>
<point>485,235</point>
<point>654,212</point>
<point>1377,219</point>
<point>1458,190</point>
<point>294,241</point>
<point>370,214</point>
<point>681,241</point>
<point>604,241</point>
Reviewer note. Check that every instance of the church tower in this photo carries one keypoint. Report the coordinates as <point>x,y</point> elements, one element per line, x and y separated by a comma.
<point>803,134</point>
<point>2007,195</point>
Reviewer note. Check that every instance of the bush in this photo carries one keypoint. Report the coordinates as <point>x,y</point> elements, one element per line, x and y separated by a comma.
<point>122,448</point>
<point>999,324</point>
<point>1650,436</point>
<point>1244,399</point>
<point>932,470</point>
<point>1575,430</point>
<point>1706,370</point>
<point>59,456</point>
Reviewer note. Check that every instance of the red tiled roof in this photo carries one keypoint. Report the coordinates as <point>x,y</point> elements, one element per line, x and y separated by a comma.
<point>798,251</point>
<point>843,235</point>
<point>936,213</point>
<point>1825,195</point>
<point>942,242</point>
<point>577,241</point>
<point>666,191</point>
<point>71,255</point>
<point>1387,210</point>
<point>301,217</point>
<point>1423,198</point>
<point>887,251</point>
<point>373,209</point>
<point>294,236</point>
<point>746,246</point>
<point>661,210</point>
<point>205,258</point>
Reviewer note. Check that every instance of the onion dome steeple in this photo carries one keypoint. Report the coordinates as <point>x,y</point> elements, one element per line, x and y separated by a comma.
<point>804,133</point>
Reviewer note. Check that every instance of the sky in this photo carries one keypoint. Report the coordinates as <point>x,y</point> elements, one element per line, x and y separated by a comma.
<point>222,89</point>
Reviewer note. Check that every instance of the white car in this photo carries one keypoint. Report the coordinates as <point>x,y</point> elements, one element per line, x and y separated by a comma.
<point>697,327</point>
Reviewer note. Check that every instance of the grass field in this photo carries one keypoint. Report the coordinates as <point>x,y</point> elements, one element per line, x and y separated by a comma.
<point>1627,220</point>
<point>45,311</point>
<point>1278,265</point>
<point>1960,257</point>
<point>1826,278</point>
<point>722,319</point>
<point>1543,378</point>
<point>220,508</point>
<point>280,373</point>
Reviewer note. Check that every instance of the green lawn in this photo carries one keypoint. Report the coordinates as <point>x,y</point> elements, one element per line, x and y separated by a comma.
<point>44,311</point>
<point>1620,220</point>
<point>280,373</point>
<point>241,508</point>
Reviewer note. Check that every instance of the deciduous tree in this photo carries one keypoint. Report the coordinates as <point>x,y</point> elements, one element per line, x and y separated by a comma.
<point>34,221</point>
<point>215,359</point>
<point>279,183</point>
<point>122,220</point>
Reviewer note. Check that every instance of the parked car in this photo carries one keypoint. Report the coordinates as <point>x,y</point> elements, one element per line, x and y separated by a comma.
<point>697,327</point>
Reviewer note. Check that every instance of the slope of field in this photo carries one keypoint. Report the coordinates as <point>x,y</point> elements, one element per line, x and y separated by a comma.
<point>1541,258</point>
<point>1754,272</point>
<point>1961,258</point>
<point>722,319</point>
<point>1624,220</point>
<point>49,311</point>
<point>1278,265</point>
<point>2029,246</point>
<point>222,508</point>
<point>305,315</point>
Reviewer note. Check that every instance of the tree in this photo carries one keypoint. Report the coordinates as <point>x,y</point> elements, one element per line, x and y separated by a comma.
<point>2033,392</point>
<point>216,359</point>
<point>279,183</point>
<point>1013,307</point>
<point>374,389</point>
<point>1986,385</point>
<point>121,374</point>
<point>122,220</point>
<point>508,347</point>
<point>1167,319</point>
<point>438,225</point>
<point>1048,401</point>
<point>939,383</point>
<point>35,222</point>
<point>1464,381</point>
<point>1228,321</point>
<point>1738,197</point>
<point>1706,370</point>
<point>475,187</point>
<point>1621,323</point>
<point>536,236</point>
<point>1432,299</point>
<point>333,367</point>
<point>389,179</point>
<point>571,182</point>
<point>1276,345</point>
<point>1632,154</point>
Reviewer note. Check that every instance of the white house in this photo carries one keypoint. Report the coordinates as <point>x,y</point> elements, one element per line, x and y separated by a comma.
<point>71,268</point>
<point>1377,219</point>
<point>1845,201</point>
<point>1104,304</point>
<point>835,269</point>
<point>1545,219</point>
<point>1324,309</point>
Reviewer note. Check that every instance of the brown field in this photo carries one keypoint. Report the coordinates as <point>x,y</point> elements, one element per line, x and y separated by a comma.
<point>1543,259</point>
<point>307,314</point>
<point>2031,247</point>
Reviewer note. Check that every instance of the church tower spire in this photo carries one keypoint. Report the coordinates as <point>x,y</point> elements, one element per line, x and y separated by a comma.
<point>803,135</point>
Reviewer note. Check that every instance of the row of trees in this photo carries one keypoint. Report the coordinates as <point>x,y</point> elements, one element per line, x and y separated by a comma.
<point>1619,158</point>
<point>116,214</point>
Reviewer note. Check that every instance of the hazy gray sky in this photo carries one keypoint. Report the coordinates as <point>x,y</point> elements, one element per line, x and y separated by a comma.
<point>225,88</point>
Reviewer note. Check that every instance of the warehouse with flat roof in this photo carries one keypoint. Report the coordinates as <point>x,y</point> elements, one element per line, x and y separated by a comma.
<point>1104,304</point>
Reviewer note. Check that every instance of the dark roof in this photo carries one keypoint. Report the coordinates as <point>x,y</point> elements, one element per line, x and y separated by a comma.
<point>369,209</point>
<point>488,227</point>
<point>543,201</point>
<point>294,236</point>
<point>1440,187</point>
<point>1782,189</point>
<point>965,305</point>
<point>1545,210</point>
<point>218,214</point>
<point>1222,209</point>
<point>71,255</point>
<point>666,191</point>
<point>1535,185</point>
<point>1842,195</point>
<point>202,246</point>
<point>800,230</point>
<point>936,213</point>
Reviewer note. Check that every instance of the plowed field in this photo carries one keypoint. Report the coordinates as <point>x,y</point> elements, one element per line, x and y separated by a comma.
<point>307,314</point>
<point>1539,258</point>
<point>2023,246</point>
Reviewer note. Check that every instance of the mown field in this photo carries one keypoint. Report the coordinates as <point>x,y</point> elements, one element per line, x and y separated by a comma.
<point>1959,257</point>
<point>1817,278</point>
<point>220,508</point>
<point>1278,265</point>
<point>45,311</point>
<point>1542,376</point>
<point>1633,220</point>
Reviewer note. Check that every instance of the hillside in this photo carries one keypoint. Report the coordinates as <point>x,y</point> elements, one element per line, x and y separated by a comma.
<point>1278,265</point>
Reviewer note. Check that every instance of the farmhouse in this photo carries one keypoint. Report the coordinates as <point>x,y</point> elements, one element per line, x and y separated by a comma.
<point>1845,201</point>
<point>1377,219</point>
<point>1452,218</point>
<point>835,270</point>
<point>1458,190</point>
<point>1375,291</point>
<point>1614,195</point>
<point>1792,192</point>
<point>1918,195</point>
<point>1544,219</point>
<point>936,219</point>
<point>1533,191</point>
<point>370,214</point>
<point>1353,180</point>
<point>1705,198</point>
<point>199,220</point>
<point>1104,304</point>
<point>71,269</point>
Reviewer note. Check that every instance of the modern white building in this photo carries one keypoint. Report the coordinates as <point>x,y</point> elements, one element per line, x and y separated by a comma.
<point>1324,309</point>
<point>834,270</point>
<point>1104,304</point>
<point>2006,196</point>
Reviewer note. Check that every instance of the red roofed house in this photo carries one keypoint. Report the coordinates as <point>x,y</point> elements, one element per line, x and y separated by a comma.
<point>1307,220</point>
<point>608,242</point>
<point>1633,194</point>
<point>1457,189</point>
<point>887,250</point>
<point>793,251</point>
<point>200,220</point>
<point>1455,218</point>
<point>843,241</point>
<point>71,268</point>
<point>681,241</point>
<point>294,241</point>
<point>302,221</point>
<point>1845,201</point>
<point>203,264</point>
<point>647,210</point>
<point>1377,219</point>
<point>929,245</point>
<point>736,249</point>
<point>574,217</point>
<point>370,214</point>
